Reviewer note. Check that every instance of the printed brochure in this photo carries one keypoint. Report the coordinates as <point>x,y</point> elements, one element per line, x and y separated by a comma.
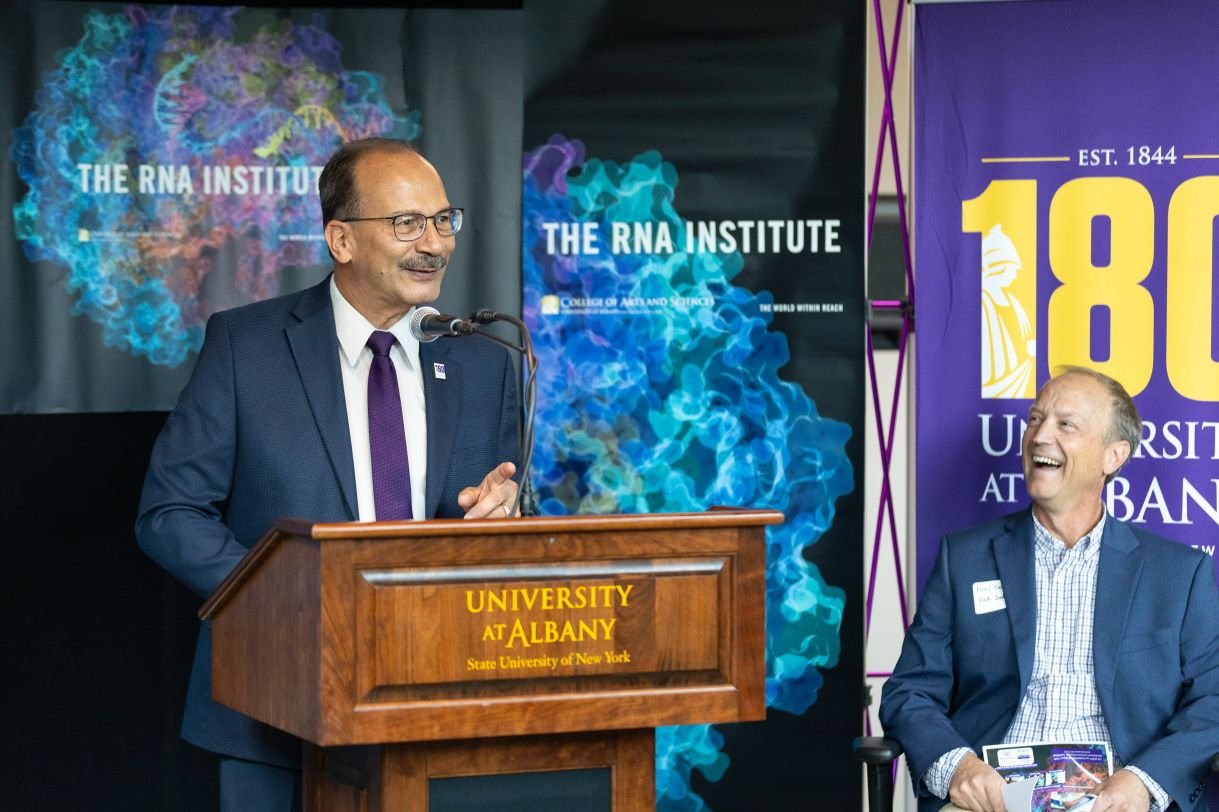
<point>1065,773</point>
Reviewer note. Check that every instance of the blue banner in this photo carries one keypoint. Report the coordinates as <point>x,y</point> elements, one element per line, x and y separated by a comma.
<point>694,286</point>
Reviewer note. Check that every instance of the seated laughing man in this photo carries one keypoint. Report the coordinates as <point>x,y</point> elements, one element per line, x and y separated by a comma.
<point>1101,631</point>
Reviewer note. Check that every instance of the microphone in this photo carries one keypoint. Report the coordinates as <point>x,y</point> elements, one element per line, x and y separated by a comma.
<point>428,324</point>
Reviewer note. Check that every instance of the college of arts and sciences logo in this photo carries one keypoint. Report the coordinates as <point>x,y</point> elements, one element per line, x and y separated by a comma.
<point>1009,332</point>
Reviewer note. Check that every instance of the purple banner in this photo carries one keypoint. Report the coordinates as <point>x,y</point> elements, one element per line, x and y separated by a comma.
<point>1067,177</point>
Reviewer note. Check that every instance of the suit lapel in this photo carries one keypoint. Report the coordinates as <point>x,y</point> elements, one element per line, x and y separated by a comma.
<point>1015,559</point>
<point>315,349</point>
<point>1116,578</point>
<point>441,392</point>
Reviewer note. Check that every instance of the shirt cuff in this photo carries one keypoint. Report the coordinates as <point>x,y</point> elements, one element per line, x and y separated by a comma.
<point>938,777</point>
<point>1159,798</point>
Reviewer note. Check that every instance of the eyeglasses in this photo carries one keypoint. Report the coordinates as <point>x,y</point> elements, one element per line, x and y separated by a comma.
<point>410,226</point>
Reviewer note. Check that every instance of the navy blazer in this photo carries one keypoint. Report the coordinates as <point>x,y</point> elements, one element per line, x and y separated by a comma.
<point>961,675</point>
<point>260,433</point>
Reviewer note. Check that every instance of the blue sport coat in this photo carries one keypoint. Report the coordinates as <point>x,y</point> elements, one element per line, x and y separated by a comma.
<point>961,675</point>
<point>260,433</point>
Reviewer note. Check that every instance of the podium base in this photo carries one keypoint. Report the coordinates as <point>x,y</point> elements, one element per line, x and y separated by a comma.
<point>380,778</point>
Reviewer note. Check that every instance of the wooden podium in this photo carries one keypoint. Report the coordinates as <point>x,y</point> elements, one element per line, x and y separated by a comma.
<point>408,652</point>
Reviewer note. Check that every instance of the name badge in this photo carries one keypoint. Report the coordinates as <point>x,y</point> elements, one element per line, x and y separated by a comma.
<point>988,597</point>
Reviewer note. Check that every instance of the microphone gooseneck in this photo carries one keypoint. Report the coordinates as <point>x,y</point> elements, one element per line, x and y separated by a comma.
<point>524,495</point>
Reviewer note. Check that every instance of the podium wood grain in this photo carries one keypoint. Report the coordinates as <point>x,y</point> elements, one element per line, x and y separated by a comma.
<point>403,649</point>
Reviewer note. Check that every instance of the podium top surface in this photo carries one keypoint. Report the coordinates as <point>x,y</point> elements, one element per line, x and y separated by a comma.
<point>716,517</point>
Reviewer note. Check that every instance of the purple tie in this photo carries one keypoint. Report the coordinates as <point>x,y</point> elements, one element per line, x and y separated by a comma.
<point>391,473</point>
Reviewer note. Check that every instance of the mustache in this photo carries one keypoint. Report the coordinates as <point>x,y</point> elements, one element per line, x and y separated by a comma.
<point>432,263</point>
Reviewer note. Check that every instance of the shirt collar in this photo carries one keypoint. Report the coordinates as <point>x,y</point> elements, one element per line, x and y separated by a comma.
<point>1087,545</point>
<point>353,330</point>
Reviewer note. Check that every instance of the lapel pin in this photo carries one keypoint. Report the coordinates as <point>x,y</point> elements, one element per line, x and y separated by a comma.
<point>438,371</point>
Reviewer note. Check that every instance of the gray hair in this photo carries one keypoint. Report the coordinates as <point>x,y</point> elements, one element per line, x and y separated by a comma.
<point>1124,422</point>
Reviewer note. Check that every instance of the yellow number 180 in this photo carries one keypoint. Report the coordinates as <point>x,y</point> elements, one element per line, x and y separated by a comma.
<point>1117,286</point>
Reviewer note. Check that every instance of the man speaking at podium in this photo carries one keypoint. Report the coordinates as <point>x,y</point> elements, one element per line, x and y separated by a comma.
<point>1062,624</point>
<point>322,405</point>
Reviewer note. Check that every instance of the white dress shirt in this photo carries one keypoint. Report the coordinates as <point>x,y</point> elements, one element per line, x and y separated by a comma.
<point>355,358</point>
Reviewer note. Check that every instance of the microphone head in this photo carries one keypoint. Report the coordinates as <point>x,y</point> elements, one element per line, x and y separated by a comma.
<point>416,324</point>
